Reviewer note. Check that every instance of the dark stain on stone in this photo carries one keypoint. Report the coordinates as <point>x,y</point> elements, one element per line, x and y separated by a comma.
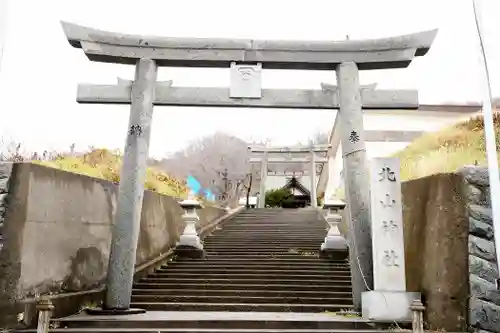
<point>86,270</point>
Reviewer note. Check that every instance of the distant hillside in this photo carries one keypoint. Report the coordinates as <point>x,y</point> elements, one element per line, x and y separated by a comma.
<point>447,150</point>
<point>104,164</point>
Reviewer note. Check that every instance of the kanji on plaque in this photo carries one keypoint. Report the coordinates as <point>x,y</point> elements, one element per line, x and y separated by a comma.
<point>386,173</point>
<point>389,226</point>
<point>387,202</point>
<point>391,258</point>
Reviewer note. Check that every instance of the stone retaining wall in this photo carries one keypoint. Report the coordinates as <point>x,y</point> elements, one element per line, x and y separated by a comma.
<point>57,233</point>
<point>484,302</point>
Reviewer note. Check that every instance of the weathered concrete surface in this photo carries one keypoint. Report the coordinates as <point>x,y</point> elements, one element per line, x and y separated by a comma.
<point>436,231</point>
<point>58,230</point>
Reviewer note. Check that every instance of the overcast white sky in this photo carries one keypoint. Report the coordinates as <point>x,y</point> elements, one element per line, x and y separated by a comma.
<point>40,71</point>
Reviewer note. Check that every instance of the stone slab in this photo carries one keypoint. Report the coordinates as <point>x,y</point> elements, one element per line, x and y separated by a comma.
<point>482,248</point>
<point>387,225</point>
<point>218,315</point>
<point>484,315</point>
<point>388,305</point>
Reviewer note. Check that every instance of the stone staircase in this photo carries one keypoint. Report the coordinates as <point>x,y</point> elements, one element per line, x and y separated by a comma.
<point>262,273</point>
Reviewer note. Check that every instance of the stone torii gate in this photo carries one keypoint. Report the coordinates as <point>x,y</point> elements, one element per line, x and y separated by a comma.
<point>245,59</point>
<point>313,156</point>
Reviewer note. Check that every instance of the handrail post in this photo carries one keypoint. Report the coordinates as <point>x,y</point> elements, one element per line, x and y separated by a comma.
<point>417,309</point>
<point>45,309</point>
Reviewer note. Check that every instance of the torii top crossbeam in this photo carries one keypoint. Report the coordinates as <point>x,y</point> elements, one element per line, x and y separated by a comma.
<point>393,52</point>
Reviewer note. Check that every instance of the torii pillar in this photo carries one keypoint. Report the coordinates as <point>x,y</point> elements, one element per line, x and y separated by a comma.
<point>263,178</point>
<point>314,196</point>
<point>357,184</point>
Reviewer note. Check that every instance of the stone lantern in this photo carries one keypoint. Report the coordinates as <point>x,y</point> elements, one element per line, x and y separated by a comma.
<point>334,241</point>
<point>189,243</point>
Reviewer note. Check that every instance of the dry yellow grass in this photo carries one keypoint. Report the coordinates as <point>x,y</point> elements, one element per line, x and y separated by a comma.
<point>104,164</point>
<point>447,150</point>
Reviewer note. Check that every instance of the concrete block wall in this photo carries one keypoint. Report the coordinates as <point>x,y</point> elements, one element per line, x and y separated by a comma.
<point>484,301</point>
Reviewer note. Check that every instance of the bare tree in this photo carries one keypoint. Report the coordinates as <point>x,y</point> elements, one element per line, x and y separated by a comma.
<point>208,157</point>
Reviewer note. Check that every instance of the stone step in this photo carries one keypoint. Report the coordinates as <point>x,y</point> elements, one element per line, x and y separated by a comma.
<point>280,218</point>
<point>273,226</point>
<point>236,299</point>
<point>273,249</point>
<point>257,307</point>
<point>253,270</point>
<point>273,230</point>
<point>266,261</point>
<point>197,330</point>
<point>186,266</point>
<point>274,235</point>
<point>284,249</point>
<point>242,285</point>
<point>243,241</point>
<point>255,281</point>
<point>271,221</point>
<point>249,275</point>
<point>223,321</point>
<point>249,293</point>
<point>281,235</point>
<point>200,330</point>
<point>262,242</point>
<point>261,255</point>
<point>266,237</point>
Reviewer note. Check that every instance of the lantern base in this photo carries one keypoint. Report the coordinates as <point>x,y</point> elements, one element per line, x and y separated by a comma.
<point>334,254</point>
<point>187,251</point>
<point>190,240</point>
<point>334,243</point>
